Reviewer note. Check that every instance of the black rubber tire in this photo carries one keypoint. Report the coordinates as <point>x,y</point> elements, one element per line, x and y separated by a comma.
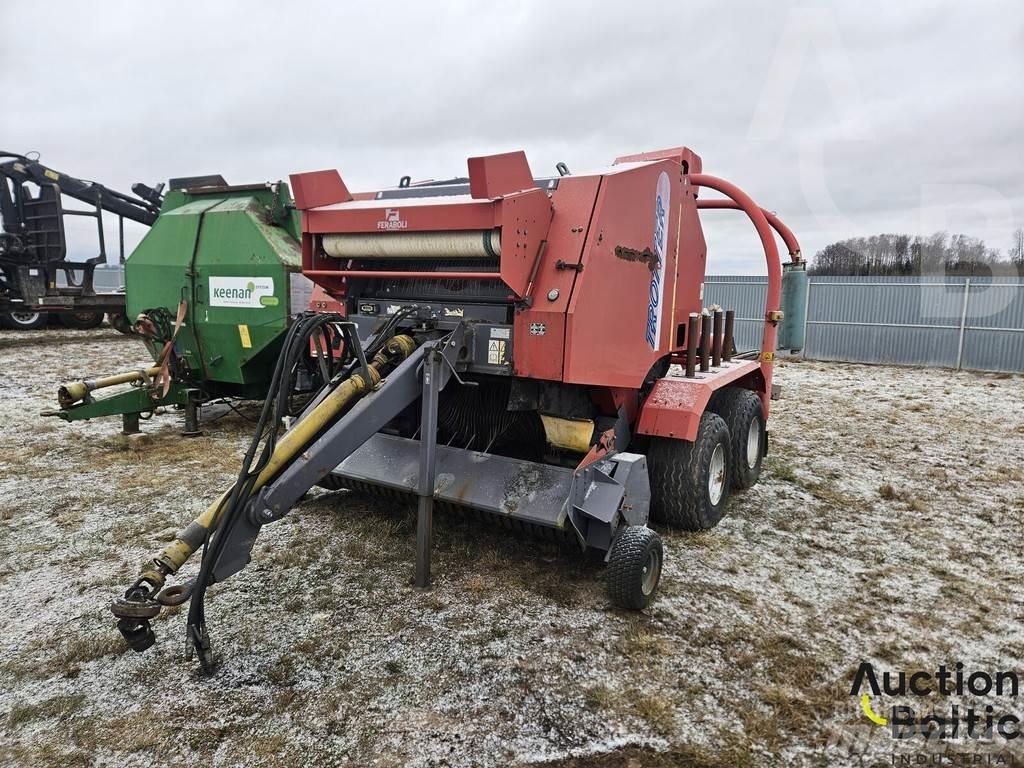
<point>679,472</point>
<point>635,550</point>
<point>739,408</point>
<point>29,321</point>
<point>81,320</point>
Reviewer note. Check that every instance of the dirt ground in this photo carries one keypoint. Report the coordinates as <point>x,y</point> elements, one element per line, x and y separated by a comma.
<point>887,528</point>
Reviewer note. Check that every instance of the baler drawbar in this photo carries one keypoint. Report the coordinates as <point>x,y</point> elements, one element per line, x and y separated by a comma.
<point>536,349</point>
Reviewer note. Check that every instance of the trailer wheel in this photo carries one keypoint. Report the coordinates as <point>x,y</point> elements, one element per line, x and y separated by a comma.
<point>634,567</point>
<point>690,481</point>
<point>81,320</point>
<point>24,321</point>
<point>741,410</point>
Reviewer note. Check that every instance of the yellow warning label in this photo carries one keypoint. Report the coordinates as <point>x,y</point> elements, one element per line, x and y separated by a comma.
<point>243,334</point>
<point>768,357</point>
<point>51,174</point>
<point>495,352</point>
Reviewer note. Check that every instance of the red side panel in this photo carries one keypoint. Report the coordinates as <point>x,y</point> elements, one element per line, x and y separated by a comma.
<point>620,317</point>
<point>540,328</point>
<point>318,188</point>
<point>687,293</point>
<point>492,176</point>
<point>525,218</point>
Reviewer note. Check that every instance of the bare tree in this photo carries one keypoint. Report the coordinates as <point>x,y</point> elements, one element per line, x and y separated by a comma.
<point>1017,248</point>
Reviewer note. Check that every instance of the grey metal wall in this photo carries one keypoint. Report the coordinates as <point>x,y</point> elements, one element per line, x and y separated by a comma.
<point>975,323</point>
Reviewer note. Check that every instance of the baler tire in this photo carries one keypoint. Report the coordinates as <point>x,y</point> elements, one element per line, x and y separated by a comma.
<point>680,474</point>
<point>634,567</point>
<point>741,409</point>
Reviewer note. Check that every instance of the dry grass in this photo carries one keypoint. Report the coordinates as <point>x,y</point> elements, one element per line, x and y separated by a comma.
<point>54,707</point>
<point>328,655</point>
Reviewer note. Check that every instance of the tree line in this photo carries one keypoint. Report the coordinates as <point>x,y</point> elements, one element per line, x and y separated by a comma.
<point>901,254</point>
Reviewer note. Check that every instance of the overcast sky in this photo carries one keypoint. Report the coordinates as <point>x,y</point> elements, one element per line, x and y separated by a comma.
<point>846,119</point>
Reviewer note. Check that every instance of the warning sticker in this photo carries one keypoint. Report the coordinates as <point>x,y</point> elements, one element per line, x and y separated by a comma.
<point>243,334</point>
<point>495,352</point>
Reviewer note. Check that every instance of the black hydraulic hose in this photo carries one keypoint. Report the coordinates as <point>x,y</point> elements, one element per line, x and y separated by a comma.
<point>274,407</point>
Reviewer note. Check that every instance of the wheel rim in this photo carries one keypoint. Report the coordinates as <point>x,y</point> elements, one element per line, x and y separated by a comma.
<point>716,475</point>
<point>25,317</point>
<point>650,572</point>
<point>753,442</point>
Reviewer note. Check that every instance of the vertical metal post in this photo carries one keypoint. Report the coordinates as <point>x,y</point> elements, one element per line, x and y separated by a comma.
<point>129,423</point>
<point>428,454</point>
<point>727,341</point>
<point>691,346</point>
<point>705,342</point>
<point>192,414</point>
<point>807,313</point>
<point>963,324</point>
<point>716,340</point>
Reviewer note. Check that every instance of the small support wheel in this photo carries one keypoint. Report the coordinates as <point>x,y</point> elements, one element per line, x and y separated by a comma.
<point>634,567</point>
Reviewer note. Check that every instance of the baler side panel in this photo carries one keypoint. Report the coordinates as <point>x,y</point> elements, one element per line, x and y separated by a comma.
<point>540,328</point>
<point>691,267</point>
<point>607,322</point>
<point>245,330</point>
<point>156,272</point>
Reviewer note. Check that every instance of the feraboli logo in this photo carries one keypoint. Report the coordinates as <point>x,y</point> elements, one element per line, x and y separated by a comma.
<point>657,287</point>
<point>392,220</point>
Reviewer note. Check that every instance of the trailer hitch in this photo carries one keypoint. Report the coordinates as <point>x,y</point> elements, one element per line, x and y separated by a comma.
<point>140,605</point>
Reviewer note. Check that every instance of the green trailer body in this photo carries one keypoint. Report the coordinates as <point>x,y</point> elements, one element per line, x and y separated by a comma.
<point>232,255</point>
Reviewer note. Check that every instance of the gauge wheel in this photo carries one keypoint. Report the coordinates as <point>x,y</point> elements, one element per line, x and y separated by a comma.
<point>634,567</point>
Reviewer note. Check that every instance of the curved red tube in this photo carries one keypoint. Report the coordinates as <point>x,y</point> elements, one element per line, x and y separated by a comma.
<point>773,300</point>
<point>784,232</point>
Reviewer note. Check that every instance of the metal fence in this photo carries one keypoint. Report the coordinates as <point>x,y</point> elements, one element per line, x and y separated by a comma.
<point>952,322</point>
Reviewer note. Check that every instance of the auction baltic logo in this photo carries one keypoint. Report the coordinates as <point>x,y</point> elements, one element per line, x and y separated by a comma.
<point>954,722</point>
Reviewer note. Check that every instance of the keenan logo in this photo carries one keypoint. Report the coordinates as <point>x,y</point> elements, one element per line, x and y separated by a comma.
<point>242,292</point>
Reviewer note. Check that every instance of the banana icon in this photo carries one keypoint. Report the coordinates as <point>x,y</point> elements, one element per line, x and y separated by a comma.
<point>865,704</point>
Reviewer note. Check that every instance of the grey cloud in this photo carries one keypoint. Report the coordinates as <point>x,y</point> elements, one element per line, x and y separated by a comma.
<point>128,91</point>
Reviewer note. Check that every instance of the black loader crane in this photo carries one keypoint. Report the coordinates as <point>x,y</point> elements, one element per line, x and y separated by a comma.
<point>36,277</point>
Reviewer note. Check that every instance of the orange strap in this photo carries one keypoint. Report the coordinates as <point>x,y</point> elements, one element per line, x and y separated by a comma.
<point>163,378</point>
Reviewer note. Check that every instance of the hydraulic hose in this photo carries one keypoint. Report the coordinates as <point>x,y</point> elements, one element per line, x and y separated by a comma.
<point>190,538</point>
<point>208,531</point>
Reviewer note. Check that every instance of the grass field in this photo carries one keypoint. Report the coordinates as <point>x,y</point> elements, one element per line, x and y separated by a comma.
<point>887,527</point>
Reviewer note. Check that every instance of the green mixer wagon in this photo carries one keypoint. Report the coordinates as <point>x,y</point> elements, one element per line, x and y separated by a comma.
<point>210,289</point>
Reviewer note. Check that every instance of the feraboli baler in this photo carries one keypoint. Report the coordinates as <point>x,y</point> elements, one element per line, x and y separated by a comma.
<point>535,349</point>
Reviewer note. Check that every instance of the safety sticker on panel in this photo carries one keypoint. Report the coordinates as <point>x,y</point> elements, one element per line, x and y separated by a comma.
<point>495,352</point>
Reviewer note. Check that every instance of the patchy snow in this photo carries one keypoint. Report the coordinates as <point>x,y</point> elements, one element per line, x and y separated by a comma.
<point>887,527</point>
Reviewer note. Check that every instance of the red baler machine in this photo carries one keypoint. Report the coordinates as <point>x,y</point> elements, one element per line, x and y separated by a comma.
<point>532,348</point>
